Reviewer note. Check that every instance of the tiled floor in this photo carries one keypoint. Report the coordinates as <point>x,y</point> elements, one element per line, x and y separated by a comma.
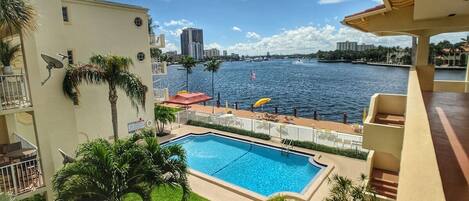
<point>448,114</point>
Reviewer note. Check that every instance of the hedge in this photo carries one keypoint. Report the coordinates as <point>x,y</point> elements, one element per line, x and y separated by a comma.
<point>229,129</point>
<point>352,153</point>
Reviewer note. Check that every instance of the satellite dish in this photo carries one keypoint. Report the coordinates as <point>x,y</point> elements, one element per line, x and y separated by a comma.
<point>51,63</point>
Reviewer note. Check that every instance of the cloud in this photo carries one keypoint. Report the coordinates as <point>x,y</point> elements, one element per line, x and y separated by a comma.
<point>170,47</point>
<point>213,45</point>
<point>181,22</point>
<point>235,28</point>
<point>309,39</point>
<point>378,1</point>
<point>253,35</point>
<point>330,1</point>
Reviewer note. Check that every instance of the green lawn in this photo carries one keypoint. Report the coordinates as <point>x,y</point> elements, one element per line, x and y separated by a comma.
<point>166,193</point>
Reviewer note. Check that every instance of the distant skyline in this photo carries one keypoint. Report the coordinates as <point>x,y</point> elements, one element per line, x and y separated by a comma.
<point>253,27</point>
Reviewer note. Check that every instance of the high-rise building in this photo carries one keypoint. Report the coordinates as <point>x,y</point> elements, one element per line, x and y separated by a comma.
<point>225,53</point>
<point>214,52</point>
<point>353,46</point>
<point>192,43</point>
<point>347,45</point>
<point>364,47</point>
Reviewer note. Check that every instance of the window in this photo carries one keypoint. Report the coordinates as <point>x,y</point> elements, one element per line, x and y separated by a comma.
<point>65,14</point>
<point>138,21</point>
<point>70,56</point>
<point>141,56</point>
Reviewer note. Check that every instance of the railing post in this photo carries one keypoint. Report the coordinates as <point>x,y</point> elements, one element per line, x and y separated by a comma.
<point>315,115</point>
<point>13,176</point>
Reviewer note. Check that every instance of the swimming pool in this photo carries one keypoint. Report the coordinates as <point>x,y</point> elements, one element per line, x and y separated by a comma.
<point>258,168</point>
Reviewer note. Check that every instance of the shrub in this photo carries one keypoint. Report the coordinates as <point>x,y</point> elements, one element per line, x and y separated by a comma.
<point>352,153</point>
<point>36,197</point>
<point>229,129</point>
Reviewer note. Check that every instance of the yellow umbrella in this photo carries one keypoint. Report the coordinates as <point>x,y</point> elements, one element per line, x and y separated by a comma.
<point>261,102</point>
<point>182,92</point>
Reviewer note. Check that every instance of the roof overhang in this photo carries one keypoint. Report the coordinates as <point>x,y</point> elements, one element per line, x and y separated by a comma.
<point>396,17</point>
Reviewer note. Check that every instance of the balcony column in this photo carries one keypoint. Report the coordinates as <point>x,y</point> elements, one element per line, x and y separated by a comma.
<point>467,68</point>
<point>426,71</point>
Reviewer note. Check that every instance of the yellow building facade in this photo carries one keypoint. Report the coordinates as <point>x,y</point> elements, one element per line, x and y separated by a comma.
<point>48,119</point>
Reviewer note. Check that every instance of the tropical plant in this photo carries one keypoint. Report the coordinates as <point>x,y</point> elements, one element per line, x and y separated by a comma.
<point>16,16</point>
<point>155,53</point>
<point>8,52</point>
<point>105,171</point>
<point>6,197</point>
<point>343,189</point>
<point>163,115</point>
<point>110,70</point>
<point>188,63</point>
<point>212,66</point>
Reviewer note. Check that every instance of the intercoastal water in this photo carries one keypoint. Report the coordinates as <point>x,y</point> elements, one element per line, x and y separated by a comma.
<point>331,89</point>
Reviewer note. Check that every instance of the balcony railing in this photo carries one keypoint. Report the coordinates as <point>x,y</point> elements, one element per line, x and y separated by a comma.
<point>20,171</point>
<point>159,68</point>
<point>21,177</point>
<point>157,40</point>
<point>13,92</point>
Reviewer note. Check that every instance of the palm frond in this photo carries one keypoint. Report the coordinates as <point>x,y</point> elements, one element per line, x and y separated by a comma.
<point>75,75</point>
<point>8,52</point>
<point>16,15</point>
<point>212,65</point>
<point>133,87</point>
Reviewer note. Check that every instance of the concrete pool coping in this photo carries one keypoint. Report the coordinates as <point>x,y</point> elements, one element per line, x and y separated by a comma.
<point>305,195</point>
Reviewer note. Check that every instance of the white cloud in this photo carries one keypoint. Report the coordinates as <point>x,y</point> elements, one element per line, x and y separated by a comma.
<point>330,1</point>
<point>181,22</point>
<point>253,35</point>
<point>235,28</point>
<point>308,39</point>
<point>378,1</point>
<point>213,45</point>
<point>170,47</point>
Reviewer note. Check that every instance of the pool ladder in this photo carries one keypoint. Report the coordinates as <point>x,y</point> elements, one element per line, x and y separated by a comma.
<point>287,145</point>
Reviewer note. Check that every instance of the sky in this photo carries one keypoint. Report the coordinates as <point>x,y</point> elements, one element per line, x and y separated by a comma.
<point>255,27</point>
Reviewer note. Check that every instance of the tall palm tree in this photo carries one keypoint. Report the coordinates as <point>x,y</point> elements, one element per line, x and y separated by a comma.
<point>105,171</point>
<point>188,63</point>
<point>212,66</point>
<point>110,70</point>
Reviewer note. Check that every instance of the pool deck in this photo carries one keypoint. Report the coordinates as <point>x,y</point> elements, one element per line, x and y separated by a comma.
<point>344,166</point>
<point>328,125</point>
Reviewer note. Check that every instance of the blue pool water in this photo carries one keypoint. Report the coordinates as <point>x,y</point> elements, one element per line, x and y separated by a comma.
<point>260,169</point>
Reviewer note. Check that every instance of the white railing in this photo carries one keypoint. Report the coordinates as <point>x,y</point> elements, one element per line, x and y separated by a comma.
<point>278,130</point>
<point>24,142</point>
<point>13,92</point>
<point>21,177</point>
<point>160,95</point>
<point>159,68</point>
<point>157,40</point>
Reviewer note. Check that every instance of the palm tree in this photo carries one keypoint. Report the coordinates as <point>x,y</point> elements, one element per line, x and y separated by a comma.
<point>7,54</point>
<point>188,63</point>
<point>343,189</point>
<point>212,66</point>
<point>163,115</point>
<point>16,16</point>
<point>105,171</point>
<point>110,70</point>
<point>171,162</point>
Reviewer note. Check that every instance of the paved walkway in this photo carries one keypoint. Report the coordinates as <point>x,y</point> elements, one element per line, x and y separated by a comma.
<point>329,125</point>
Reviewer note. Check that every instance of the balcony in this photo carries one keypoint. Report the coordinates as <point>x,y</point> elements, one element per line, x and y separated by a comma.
<point>159,68</point>
<point>383,130</point>
<point>20,170</point>
<point>13,92</point>
<point>157,41</point>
